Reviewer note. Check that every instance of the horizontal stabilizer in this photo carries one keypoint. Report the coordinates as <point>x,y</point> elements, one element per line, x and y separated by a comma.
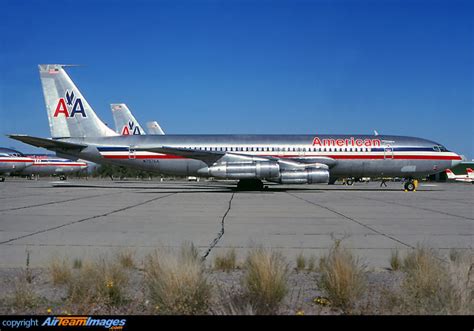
<point>48,143</point>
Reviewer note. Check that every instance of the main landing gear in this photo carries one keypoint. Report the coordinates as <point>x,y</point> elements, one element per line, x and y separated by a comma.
<point>62,177</point>
<point>2,179</point>
<point>411,185</point>
<point>250,185</point>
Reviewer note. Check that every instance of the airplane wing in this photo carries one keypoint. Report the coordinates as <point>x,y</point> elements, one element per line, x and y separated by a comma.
<point>211,157</point>
<point>48,143</point>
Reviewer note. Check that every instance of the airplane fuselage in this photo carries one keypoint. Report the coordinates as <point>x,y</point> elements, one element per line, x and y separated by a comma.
<point>345,155</point>
<point>52,166</point>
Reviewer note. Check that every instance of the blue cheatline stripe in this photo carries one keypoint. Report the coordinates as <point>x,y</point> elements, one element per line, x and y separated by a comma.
<point>405,149</point>
<point>395,149</point>
<point>112,149</point>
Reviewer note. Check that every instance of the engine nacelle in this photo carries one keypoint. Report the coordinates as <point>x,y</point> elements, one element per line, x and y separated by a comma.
<point>245,170</point>
<point>306,176</point>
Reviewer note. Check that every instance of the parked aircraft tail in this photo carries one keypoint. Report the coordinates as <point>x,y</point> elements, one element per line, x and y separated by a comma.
<point>154,128</point>
<point>69,113</point>
<point>470,173</point>
<point>125,122</point>
<point>450,174</point>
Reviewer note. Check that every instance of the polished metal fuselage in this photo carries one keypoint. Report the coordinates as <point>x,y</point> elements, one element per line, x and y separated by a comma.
<point>400,156</point>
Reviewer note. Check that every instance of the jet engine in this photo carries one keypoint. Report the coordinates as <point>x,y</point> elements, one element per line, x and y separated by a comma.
<point>244,170</point>
<point>305,176</point>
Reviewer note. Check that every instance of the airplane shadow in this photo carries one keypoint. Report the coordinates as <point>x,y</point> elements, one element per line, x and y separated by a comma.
<point>192,189</point>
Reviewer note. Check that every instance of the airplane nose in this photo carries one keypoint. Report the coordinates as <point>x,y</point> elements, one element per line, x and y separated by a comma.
<point>457,161</point>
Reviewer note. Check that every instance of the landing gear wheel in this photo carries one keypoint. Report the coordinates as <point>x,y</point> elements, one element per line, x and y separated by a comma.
<point>2,179</point>
<point>62,177</point>
<point>250,185</point>
<point>410,186</point>
<point>350,181</point>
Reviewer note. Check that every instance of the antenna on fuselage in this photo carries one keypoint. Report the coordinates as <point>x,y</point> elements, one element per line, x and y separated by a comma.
<point>376,133</point>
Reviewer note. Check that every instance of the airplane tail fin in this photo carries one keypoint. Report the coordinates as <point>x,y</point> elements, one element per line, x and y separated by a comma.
<point>450,174</point>
<point>154,128</point>
<point>470,173</point>
<point>69,113</point>
<point>125,122</point>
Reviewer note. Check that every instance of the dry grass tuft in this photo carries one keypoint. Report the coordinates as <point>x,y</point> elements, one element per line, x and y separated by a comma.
<point>312,263</point>
<point>265,280</point>
<point>177,285</point>
<point>126,259</point>
<point>23,295</point>
<point>60,271</point>
<point>300,262</point>
<point>434,286</point>
<point>77,263</point>
<point>99,281</point>
<point>395,260</point>
<point>343,277</point>
<point>227,261</point>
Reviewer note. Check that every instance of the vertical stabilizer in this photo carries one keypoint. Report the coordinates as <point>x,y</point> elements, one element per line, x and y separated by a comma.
<point>125,122</point>
<point>154,128</point>
<point>69,113</point>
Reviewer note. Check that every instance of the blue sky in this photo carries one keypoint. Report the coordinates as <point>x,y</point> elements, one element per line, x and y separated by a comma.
<point>302,67</point>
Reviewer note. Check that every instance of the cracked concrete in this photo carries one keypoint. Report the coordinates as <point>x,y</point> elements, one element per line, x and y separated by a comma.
<point>84,218</point>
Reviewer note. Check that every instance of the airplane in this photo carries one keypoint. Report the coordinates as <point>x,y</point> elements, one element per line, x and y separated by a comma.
<point>77,131</point>
<point>126,123</point>
<point>31,165</point>
<point>467,178</point>
<point>50,165</point>
<point>12,161</point>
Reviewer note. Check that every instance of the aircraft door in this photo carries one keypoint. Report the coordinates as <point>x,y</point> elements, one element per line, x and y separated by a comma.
<point>388,152</point>
<point>132,153</point>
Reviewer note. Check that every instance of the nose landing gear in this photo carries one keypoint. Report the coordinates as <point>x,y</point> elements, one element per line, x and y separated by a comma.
<point>411,185</point>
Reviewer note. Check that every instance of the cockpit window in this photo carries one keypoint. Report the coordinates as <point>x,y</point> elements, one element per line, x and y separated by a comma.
<point>440,148</point>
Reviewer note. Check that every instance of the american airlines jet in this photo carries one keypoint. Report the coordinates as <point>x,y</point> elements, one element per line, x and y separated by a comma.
<point>15,162</point>
<point>286,159</point>
<point>12,161</point>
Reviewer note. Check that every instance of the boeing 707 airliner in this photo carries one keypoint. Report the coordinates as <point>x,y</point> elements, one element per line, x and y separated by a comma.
<point>77,131</point>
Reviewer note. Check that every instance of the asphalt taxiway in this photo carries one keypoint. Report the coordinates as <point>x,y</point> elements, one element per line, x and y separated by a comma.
<point>82,218</point>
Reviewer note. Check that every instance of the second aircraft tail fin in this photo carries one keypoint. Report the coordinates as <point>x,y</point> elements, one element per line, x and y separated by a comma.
<point>125,122</point>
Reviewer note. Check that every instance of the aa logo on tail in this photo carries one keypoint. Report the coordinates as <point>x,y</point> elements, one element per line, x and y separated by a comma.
<point>131,129</point>
<point>70,106</point>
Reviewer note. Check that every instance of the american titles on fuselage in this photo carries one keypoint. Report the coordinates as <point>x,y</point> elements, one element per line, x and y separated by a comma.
<point>331,142</point>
